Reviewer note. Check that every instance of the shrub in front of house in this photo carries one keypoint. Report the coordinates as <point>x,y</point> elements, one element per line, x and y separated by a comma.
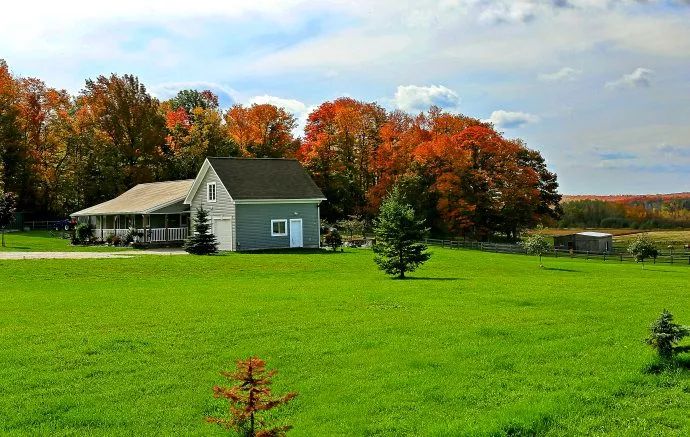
<point>333,239</point>
<point>82,234</point>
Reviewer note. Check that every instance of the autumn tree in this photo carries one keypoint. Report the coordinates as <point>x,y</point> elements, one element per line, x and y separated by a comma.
<point>341,139</point>
<point>248,397</point>
<point>128,120</point>
<point>399,232</point>
<point>195,131</point>
<point>14,169</point>
<point>262,130</point>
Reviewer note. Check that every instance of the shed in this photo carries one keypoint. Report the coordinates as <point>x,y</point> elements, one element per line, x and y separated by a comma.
<point>595,242</point>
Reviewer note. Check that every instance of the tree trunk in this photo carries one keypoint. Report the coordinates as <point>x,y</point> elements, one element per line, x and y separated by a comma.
<point>3,237</point>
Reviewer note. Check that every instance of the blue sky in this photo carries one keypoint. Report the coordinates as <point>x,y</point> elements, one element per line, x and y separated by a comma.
<point>600,87</point>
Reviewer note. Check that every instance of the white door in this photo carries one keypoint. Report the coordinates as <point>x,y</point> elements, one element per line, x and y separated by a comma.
<point>296,233</point>
<point>222,229</point>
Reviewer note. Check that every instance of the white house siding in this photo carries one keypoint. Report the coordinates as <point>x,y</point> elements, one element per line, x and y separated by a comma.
<point>224,206</point>
<point>253,227</point>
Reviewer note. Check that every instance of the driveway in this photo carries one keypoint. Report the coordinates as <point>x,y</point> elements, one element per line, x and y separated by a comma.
<point>89,255</point>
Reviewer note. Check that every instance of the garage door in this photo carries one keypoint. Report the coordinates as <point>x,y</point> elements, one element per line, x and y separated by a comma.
<point>222,229</point>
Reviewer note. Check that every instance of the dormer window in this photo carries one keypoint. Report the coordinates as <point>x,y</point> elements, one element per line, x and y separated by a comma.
<point>211,192</point>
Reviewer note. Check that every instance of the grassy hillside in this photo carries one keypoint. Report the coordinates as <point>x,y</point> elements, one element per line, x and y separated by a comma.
<point>475,344</point>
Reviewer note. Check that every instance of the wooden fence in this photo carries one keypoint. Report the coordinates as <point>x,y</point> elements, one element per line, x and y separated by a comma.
<point>680,257</point>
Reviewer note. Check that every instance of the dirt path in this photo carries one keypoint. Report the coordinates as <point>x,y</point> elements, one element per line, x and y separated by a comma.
<point>89,255</point>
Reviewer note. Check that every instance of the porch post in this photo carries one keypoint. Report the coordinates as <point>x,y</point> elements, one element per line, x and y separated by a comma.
<point>102,219</point>
<point>167,237</point>
<point>143,222</point>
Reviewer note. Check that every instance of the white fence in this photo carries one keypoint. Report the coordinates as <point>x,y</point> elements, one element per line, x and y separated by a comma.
<point>153,235</point>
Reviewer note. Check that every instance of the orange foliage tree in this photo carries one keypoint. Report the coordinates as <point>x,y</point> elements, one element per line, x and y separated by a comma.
<point>250,396</point>
<point>262,130</point>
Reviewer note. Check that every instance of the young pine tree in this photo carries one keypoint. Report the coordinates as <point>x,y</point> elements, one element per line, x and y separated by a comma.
<point>398,234</point>
<point>201,241</point>
<point>248,397</point>
<point>664,334</point>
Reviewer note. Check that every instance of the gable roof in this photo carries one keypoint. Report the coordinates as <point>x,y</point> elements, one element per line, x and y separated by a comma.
<point>142,199</point>
<point>594,234</point>
<point>264,179</point>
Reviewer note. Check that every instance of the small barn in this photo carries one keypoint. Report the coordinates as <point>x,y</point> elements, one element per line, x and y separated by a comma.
<point>595,242</point>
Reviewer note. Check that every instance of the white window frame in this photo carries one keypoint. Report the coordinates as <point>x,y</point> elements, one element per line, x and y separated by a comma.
<point>279,234</point>
<point>208,192</point>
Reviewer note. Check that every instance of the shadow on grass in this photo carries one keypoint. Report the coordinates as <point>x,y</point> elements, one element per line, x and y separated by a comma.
<point>558,269</point>
<point>678,363</point>
<point>292,252</point>
<point>416,278</point>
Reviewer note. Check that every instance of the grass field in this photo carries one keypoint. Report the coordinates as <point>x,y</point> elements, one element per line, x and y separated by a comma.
<point>44,241</point>
<point>476,344</point>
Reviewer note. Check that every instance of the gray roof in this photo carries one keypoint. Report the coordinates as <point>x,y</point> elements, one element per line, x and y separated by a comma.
<point>265,178</point>
<point>142,199</point>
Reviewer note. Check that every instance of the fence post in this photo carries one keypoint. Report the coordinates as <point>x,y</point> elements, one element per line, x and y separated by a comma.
<point>604,256</point>
<point>587,255</point>
<point>621,257</point>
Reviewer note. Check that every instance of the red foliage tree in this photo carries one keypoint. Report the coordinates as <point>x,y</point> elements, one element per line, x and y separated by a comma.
<point>249,397</point>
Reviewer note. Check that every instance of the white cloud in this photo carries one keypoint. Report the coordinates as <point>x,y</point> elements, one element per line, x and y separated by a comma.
<point>419,98</point>
<point>564,74</point>
<point>511,119</point>
<point>640,78</point>
<point>226,95</point>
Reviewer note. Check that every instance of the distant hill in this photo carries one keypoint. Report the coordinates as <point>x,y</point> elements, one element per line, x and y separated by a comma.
<point>627,198</point>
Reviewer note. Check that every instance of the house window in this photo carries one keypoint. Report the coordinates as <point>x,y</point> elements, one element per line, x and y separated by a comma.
<point>278,228</point>
<point>211,191</point>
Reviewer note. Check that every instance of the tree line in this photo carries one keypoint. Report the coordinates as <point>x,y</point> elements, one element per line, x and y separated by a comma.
<point>626,213</point>
<point>61,152</point>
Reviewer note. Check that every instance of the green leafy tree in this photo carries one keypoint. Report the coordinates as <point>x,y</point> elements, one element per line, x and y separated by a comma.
<point>398,233</point>
<point>201,241</point>
<point>536,244</point>
<point>665,334</point>
<point>250,396</point>
<point>8,206</point>
<point>642,248</point>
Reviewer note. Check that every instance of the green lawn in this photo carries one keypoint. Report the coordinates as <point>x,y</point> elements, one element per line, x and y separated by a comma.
<point>44,241</point>
<point>476,344</point>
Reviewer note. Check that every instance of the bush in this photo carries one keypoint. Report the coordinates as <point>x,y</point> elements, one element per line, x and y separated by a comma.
<point>642,248</point>
<point>82,233</point>
<point>333,239</point>
<point>665,334</point>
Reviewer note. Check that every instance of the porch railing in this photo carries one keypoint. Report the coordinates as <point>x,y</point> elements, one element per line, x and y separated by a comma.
<point>153,235</point>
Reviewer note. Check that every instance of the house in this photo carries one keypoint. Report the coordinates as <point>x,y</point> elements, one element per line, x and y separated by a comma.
<point>594,242</point>
<point>253,204</point>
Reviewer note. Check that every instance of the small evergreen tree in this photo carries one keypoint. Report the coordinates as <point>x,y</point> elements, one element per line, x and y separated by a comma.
<point>8,206</point>
<point>398,234</point>
<point>536,244</point>
<point>250,396</point>
<point>201,241</point>
<point>642,248</point>
<point>665,334</point>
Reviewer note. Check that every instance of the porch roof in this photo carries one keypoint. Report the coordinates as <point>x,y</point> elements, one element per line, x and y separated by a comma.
<point>142,199</point>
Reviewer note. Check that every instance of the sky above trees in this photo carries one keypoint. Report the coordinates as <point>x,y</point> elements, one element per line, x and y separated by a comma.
<point>601,87</point>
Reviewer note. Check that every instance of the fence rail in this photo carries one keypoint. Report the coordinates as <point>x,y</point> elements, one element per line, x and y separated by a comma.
<point>681,257</point>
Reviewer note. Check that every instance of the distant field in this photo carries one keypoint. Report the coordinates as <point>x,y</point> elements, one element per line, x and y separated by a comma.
<point>622,237</point>
<point>476,344</point>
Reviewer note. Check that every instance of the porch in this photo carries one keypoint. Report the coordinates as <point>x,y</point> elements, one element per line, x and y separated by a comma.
<point>147,228</point>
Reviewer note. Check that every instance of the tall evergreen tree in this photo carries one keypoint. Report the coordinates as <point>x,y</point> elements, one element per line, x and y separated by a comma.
<point>201,241</point>
<point>398,233</point>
